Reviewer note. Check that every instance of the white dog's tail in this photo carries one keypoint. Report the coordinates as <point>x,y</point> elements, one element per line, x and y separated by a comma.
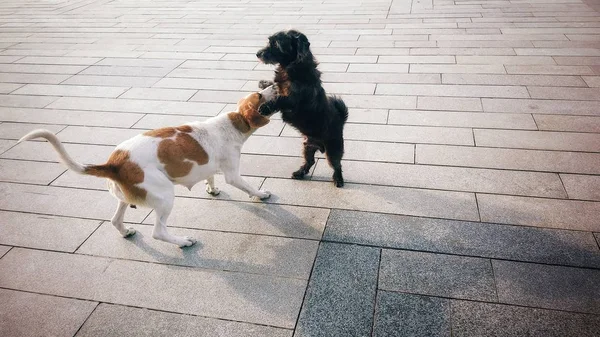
<point>58,146</point>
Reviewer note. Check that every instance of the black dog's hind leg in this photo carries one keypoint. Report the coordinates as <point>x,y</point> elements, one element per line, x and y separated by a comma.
<point>334,149</point>
<point>263,84</point>
<point>310,147</point>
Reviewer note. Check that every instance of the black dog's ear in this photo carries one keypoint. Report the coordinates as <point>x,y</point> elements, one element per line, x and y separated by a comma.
<point>302,46</point>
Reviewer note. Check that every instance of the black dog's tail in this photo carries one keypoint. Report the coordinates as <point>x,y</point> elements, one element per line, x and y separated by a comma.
<point>340,107</point>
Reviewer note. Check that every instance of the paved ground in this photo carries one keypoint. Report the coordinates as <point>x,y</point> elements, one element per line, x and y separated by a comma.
<point>473,162</point>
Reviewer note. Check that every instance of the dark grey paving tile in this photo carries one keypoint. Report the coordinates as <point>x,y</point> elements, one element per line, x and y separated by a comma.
<point>475,319</point>
<point>550,287</point>
<point>114,320</point>
<point>466,238</point>
<point>409,315</point>
<point>27,314</point>
<point>437,275</point>
<point>341,293</point>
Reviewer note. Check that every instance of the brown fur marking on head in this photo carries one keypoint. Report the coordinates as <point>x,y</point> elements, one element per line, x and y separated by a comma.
<point>176,154</point>
<point>248,108</point>
<point>124,172</point>
<point>283,82</point>
<point>239,122</point>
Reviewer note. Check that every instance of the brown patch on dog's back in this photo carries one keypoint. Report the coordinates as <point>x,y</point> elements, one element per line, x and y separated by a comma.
<point>184,128</point>
<point>124,172</point>
<point>176,154</point>
<point>239,122</point>
<point>283,81</point>
<point>161,133</point>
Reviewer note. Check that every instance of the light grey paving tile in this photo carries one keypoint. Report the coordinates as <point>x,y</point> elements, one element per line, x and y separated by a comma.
<point>458,68</point>
<point>585,94</point>
<point>514,159</point>
<point>45,231</point>
<point>558,51</point>
<point>381,78</point>
<point>104,53</point>
<point>72,117</point>
<point>558,107</point>
<point>592,81</point>
<point>462,51</point>
<point>233,296</point>
<point>550,287</point>
<point>29,172</point>
<point>382,51</point>
<point>64,201</point>
<point>448,103</point>
<point>252,218</point>
<point>107,320</point>
<point>27,314</point>
<point>181,55</point>
<point>549,70</point>
<point>9,130</point>
<point>125,71</point>
<point>462,119</point>
<point>6,144</point>
<point>59,60</point>
<point>156,121</point>
<point>380,102</point>
<point>26,101</point>
<point>123,81</point>
<point>582,186</point>
<point>40,69</point>
<point>541,80</point>
<point>568,123</point>
<point>141,106</point>
<point>4,250</point>
<point>70,90</point>
<point>538,140</point>
<point>357,150</point>
<point>220,74</point>
<point>139,62</point>
<point>538,212</point>
<point>484,43</point>
<point>577,60</point>
<point>210,84</point>
<point>340,298</point>
<point>512,60</point>
<point>452,90</point>
<point>159,94</point>
<point>6,88</point>
<point>412,315</point>
<point>435,59</point>
<point>219,96</point>
<point>448,178</point>
<point>376,68</point>
<point>350,88</point>
<point>96,135</point>
<point>384,199</point>
<point>495,320</point>
<point>455,276</point>
<point>520,243</point>
<point>369,116</point>
<point>409,134</point>
<point>229,65</point>
<point>32,78</point>
<point>269,166</point>
<point>250,253</point>
<point>356,59</point>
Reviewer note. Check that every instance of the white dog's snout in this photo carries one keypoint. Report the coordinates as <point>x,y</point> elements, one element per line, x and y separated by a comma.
<point>269,93</point>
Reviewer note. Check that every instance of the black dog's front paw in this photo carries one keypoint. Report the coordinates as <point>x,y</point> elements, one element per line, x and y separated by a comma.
<point>265,110</point>
<point>299,174</point>
<point>338,180</point>
<point>263,84</point>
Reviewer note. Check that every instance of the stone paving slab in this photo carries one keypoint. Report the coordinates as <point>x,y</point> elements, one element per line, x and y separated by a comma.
<point>437,275</point>
<point>107,320</point>
<point>29,314</point>
<point>233,296</point>
<point>4,250</point>
<point>250,253</point>
<point>550,246</point>
<point>29,172</point>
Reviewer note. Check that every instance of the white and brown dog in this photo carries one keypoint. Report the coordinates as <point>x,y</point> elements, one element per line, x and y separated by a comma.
<point>143,170</point>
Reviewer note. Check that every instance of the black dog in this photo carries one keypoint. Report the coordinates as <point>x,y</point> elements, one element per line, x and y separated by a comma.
<point>303,102</point>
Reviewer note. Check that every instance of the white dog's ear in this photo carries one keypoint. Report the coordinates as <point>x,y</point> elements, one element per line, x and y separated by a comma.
<point>250,112</point>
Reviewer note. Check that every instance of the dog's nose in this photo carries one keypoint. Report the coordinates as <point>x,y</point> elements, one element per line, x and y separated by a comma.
<point>259,53</point>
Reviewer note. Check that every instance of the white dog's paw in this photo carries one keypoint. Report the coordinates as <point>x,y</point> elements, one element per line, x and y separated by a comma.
<point>263,194</point>
<point>212,191</point>
<point>129,231</point>
<point>186,241</point>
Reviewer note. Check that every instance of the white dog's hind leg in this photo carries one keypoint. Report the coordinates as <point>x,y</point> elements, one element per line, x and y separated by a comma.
<point>163,204</point>
<point>210,186</point>
<point>117,220</point>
